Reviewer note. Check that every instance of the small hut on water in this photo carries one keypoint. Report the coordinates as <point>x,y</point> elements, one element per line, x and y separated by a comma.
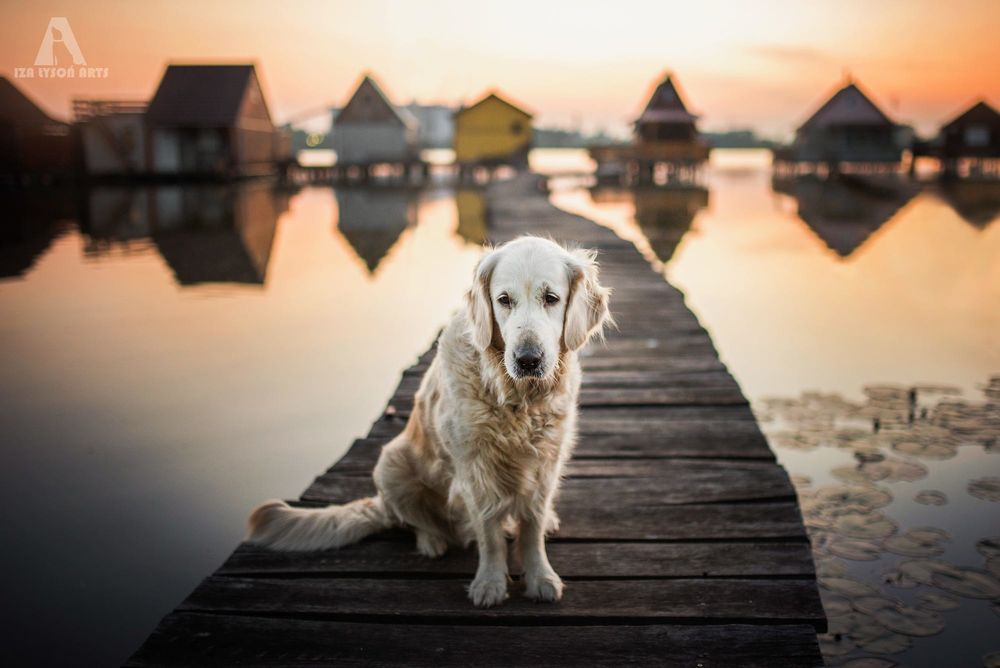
<point>848,128</point>
<point>492,132</point>
<point>371,130</point>
<point>973,136</point>
<point>665,135</point>
<point>210,121</point>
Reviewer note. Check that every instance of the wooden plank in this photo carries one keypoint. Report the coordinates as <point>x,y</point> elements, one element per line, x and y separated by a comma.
<point>625,484</point>
<point>594,601</point>
<point>185,638</point>
<point>572,560</point>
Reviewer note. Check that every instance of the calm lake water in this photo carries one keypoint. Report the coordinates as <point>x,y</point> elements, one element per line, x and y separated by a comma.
<point>863,322</point>
<point>174,356</point>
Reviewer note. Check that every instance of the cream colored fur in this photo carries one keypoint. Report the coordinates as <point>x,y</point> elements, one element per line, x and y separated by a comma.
<point>485,445</point>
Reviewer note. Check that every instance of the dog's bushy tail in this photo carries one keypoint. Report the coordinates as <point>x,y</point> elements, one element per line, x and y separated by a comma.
<point>277,525</point>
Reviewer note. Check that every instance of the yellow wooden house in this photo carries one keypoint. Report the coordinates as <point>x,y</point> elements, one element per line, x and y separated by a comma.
<point>493,131</point>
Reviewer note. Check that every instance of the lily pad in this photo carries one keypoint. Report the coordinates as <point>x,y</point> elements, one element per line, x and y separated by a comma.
<point>932,600</point>
<point>963,581</point>
<point>987,489</point>
<point>989,547</point>
<point>874,525</point>
<point>910,621</point>
<point>854,549</point>
<point>848,587</point>
<point>917,543</point>
<point>931,497</point>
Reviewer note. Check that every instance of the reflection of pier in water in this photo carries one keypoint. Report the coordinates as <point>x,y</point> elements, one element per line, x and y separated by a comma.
<point>663,214</point>
<point>207,234</point>
<point>372,220</point>
<point>843,212</point>
<point>977,202</point>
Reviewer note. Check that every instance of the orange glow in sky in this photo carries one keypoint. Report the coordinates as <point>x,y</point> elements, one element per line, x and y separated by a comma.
<point>761,64</point>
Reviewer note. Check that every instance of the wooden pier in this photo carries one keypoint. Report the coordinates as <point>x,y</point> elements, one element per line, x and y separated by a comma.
<point>681,539</point>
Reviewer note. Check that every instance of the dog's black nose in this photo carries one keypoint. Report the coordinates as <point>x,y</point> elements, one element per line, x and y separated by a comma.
<point>529,359</point>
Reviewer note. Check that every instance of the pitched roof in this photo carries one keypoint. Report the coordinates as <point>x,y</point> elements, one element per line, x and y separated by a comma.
<point>370,104</point>
<point>17,108</point>
<point>201,95</point>
<point>980,112</point>
<point>666,105</point>
<point>848,106</point>
<point>493,95</point>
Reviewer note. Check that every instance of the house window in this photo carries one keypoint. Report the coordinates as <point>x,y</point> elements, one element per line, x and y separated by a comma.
<point>977,135</point>
<point>516,127</point>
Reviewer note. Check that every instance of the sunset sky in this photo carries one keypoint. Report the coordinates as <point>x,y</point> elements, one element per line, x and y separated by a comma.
<point>765,65</point>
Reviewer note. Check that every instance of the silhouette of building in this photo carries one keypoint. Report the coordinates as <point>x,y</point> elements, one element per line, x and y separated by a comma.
<point>847,128</point>
<point>843,212</point>
<point>370,129</point>
<point>665,134</point>
<point>31,142</point>
<point>210,121</point>
<point>492,131</point>
<point>372,220</point>
<point>973,135</point>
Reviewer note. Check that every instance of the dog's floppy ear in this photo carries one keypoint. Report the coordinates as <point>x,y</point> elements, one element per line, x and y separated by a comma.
<point>480,303</point>
<point>587,310</point>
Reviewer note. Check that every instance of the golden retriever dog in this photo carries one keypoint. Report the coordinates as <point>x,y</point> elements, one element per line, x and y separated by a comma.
<point>493,423</point>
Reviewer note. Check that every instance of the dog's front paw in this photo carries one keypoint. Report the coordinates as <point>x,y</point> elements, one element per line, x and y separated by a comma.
<point>551,523</point>
<point>546,587</point>
<point>487,591</point>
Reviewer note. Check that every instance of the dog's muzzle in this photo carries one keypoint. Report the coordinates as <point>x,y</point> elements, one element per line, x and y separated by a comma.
<point>529,360</point>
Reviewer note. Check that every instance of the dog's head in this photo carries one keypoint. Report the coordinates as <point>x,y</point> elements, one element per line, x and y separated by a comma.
<point>532,300</point>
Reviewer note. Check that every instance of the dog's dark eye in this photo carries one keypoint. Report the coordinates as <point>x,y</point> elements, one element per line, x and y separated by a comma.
<point>504,300</point>
<point>551,298</point>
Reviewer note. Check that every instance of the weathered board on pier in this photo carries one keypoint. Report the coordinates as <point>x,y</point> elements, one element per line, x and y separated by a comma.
<point>681,540</point>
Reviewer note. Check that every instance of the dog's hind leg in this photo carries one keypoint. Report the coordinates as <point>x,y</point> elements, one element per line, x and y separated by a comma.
<point>411,502</point>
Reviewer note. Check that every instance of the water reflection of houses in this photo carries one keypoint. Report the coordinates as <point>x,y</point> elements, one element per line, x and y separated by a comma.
<point>472,217</point>
<point>663,214</point>
<point>976,202</point>
<point>843,212</point>
<point>372,220</point>
<point>30,222</point>
<point>206,234</point>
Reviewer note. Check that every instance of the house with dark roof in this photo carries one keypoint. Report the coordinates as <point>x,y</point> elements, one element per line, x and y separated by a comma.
<point>848,128</point>
<point>665,134</point>
<point>973,135</point>
<point>210,121</point>
<point>31,141</point>
<point>492,131</point>
<point>370,129</point>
